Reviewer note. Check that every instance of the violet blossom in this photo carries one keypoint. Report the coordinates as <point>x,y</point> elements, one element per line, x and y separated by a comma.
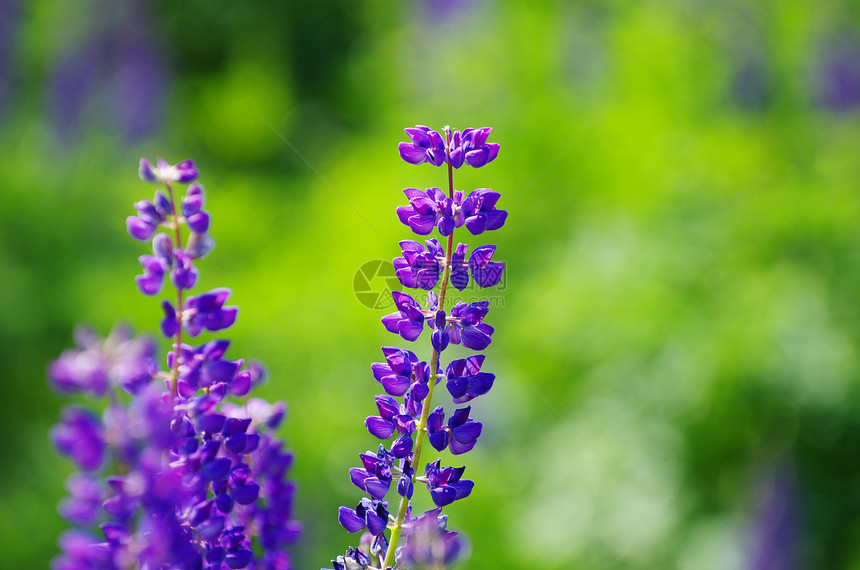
<point>181,468</point>
<point>404,417</point>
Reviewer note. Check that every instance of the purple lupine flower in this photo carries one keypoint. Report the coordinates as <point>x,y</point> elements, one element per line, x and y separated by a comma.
<point>164,172</point>
<point>369,514</point>
<point>479,210</point>
<point>431,208</point>
<point>486,273</point>
<point>149,216</point>
<point>404,376</point>
<point>354,559</point>
<point>440,337</point>
<point>79,437</point>
<point>207,311</point>
<point>426,145</point>
<point>419,268</point>
<point>153,275</point>
<point>170,323</point>
<point>465,380</point>
<point>391,417</point>
<point>460,434</point>
<point>184,274</point>
<point>400,370</point>
<point>375,476</point>
<point>84,503</point>
<point>428,543</point>
<point>408,321</point>
<point>465,325</point>
<point>472,146</point>
<point>201,479</point>
<point>445,484</point>
<point>459,268</point>
<point>97,364</point>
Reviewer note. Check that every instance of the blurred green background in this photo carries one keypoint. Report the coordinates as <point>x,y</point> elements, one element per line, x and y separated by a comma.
<point>678,381</point>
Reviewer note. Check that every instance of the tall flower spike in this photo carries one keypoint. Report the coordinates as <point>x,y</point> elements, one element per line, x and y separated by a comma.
<point>177,472</point>
<point>405,426</point>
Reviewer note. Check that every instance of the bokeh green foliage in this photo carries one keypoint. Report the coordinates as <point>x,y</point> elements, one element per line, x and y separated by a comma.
<point>680,320</point>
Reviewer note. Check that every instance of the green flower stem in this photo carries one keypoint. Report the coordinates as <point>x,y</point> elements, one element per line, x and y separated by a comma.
<point>421,428</point>
<point>177,341</point>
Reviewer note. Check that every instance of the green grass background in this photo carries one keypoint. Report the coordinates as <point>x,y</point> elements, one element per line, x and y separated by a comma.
<point>676,354</point>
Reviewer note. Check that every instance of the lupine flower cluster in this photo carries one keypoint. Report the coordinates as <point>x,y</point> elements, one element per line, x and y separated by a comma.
<point>177,468</point>
<point>406,417</point>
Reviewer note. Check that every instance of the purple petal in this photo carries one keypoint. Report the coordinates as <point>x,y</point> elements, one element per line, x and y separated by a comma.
<point>395,385</point>
<point>476,224</point>
<point>421,225</point>
<point>458,448</point>
<point>375,523</point>
<point>350,521</point>
<point>443,495</point>
<point>467,433</point>
<point>410,330</point>
<point>139,229</point>
<point>481,383</point>
<point>146,171</point>
<point>376,488</point>
<point>411,153</point>
<point>439,440</point>
<point>402,446</point>
<point>379,427</point>
<point>463,488</point>
<point>496,219</point>
<point>457,387</point>
<point>198,222</point>
<point>472,337</point>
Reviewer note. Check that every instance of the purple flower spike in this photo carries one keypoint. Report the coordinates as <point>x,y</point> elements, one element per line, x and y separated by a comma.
<point>479,209</point>
<point>408,321</point>
<point>465,380</point>
<point>426,145</point>
<point>467,326</point>
<point>486,273</point>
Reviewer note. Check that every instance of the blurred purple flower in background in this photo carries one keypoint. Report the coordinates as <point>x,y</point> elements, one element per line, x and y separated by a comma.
<point>838,76</point>
<point>9,13</point>
<point>114,76</point>
<point>774,525</point>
